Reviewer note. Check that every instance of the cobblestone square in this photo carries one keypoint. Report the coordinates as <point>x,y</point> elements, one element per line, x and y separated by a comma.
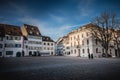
<point>59,68</point>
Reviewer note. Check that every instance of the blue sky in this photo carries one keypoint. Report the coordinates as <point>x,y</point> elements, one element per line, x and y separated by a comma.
<point>54,18</point>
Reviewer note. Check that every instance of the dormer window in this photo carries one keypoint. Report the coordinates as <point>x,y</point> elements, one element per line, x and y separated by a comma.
<point>32,28</point>
<point>30,32</point>
<point>37,33</point>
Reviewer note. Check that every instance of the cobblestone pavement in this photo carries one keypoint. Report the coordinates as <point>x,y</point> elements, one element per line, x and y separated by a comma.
<point>59,68</point>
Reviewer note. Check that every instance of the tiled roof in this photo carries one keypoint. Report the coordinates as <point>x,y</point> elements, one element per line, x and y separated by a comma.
<point>47,38</point>
<point>32,30</point>
<point>6,29</point>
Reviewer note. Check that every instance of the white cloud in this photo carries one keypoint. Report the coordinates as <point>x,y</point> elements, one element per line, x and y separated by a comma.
<point>53,32</point>
<point>57,18</point>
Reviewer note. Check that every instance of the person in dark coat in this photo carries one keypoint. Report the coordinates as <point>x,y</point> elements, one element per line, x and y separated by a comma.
<point>89,55</point>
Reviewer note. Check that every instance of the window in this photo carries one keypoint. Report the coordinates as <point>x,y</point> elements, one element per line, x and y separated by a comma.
<point>48,48</point>
<point>10,38</point>
<point>44,43</point>
<point>47,43</point>
<point>110,51</point>
<point>88,50</point>
<point>82,35</point>
<point>1,38</point>
<point>51,48</point>
<point>44,48</point>
<point>7,37</point>
<point>96,41</point>
<point>102,50</point>
<point>51,44</point>
<point>71,44</point>
<point>96,50</point>
<point>1,45</point>
<point>30,32</point>
<point>87,34</point>
<point>16,38</point>
<point>75,51</point>
<point>9,52</point>
<point>78,37</point>
<point>19,38</point>
<point>71,51</point>
<point>26,46</point>
<point>0,53</point>
<point>87,42</point>
<point>82,42</point>
<point>74,37</point>
<point>83,51</point>
<point>78,43</point>
<point>74,43</point>
<point>18,45</point>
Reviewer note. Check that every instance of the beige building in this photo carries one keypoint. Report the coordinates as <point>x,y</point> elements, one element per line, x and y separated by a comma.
<point>81,42</point>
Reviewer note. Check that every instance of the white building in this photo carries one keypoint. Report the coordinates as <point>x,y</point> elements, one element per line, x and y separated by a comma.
<point>10,41</point>
<point>62,46</point>
<point>48,46</point>
<point>81,42</point>
<point>32,44</point>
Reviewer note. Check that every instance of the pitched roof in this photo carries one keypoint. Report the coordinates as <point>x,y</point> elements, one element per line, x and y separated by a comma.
<point>32,30</point>
<point>47,38</point>
<point>6,29</point>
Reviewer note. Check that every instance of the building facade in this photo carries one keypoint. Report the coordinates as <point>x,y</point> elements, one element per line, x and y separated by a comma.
<point>10,41</point>
<point>32,43</point>
<point>81,43</point>
<point>48,46</point>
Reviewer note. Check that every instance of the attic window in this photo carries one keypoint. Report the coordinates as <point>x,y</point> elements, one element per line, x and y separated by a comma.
<point>14,29</point>
<point>32,28</point>
<point>30,32</point>
<point>37,33</point>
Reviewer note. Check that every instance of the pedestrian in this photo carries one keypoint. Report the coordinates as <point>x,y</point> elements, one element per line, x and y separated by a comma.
<point>89,55</point>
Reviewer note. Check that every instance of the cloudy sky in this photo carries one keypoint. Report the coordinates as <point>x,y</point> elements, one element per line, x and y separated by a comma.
<point>54,18</point>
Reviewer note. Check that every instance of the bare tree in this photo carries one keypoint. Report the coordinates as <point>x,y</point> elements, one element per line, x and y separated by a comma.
<point>116,38</point>
<point>105,24</point>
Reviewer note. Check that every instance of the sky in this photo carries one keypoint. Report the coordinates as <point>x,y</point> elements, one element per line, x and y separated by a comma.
<point>55,18</point>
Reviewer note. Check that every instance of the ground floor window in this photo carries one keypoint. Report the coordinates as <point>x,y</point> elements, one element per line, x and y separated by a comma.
<point>0,53</point>
<point>30,53</point>
<point>9,52</point>
<point>1,45</point>
<point>35,53</point>
<point>83,51</point>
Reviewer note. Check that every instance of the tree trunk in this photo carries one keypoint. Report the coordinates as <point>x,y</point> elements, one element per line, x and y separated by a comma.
<point>106,52</point>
